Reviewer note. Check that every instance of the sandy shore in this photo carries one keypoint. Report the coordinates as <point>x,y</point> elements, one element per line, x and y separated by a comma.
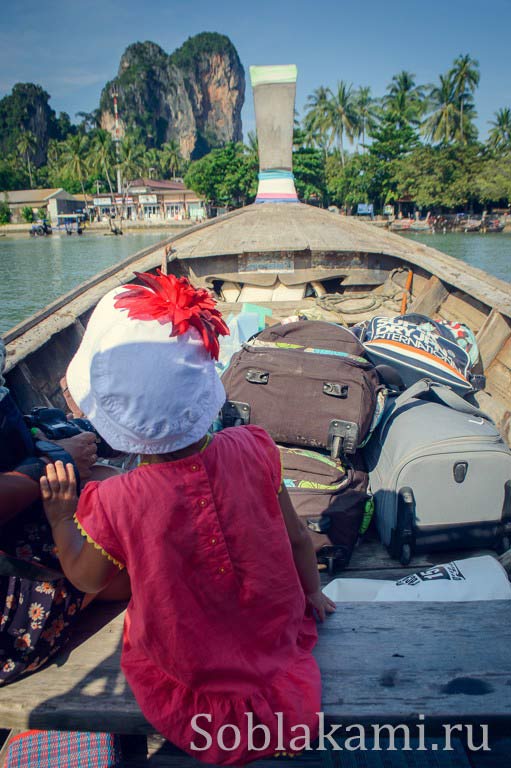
<point>8,230</point>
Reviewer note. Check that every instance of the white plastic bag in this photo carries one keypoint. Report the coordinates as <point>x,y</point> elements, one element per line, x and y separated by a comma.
<point>476,578</point>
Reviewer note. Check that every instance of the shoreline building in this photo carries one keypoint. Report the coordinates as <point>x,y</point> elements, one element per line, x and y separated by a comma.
<point>152,200</point>
<point>54,203</point>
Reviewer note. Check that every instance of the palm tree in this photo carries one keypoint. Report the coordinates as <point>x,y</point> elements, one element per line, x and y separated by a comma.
<point>405,98</point>
<point>253,147</point>
<point>310,135</point>
<point>102,155</point>
<point>467,130</point>
<point>152,162</point>
<point>341,114</point>
<point>26,146</point>
<point>131,158</point>
<point>443,123</point>
<point>316,122</point>
<point>366,112</point>
<point>90,120</point>
<point>465,76</point>
<point>53,153</point>
<point>500,134</point>
<point>171,157</point>
<point>75,159</point>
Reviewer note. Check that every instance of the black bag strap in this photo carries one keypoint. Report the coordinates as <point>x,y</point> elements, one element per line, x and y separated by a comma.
<point>27,569</point>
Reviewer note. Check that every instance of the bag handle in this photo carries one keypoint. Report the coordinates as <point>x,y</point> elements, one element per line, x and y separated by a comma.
<point>425,389</point>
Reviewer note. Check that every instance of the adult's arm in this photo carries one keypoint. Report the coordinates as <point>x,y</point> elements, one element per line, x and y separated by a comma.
<point>20,487</point>
<point>17,491</point>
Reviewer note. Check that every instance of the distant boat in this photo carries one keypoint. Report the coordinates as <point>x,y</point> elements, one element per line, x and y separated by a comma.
<point>400,225</point>
<point>471,225</point>
<point>420,226</point>
<point>492,224</point>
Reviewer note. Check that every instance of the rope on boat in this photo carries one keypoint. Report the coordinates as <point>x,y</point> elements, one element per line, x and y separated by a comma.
<point>332,301</point>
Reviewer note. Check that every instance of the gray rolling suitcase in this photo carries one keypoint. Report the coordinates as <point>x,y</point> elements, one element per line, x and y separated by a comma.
<point>440,474</point>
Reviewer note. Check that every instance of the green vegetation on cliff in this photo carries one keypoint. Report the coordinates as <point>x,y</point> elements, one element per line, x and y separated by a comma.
<point>26,110</point>
<point>183,96</point>
<point>203,44</point>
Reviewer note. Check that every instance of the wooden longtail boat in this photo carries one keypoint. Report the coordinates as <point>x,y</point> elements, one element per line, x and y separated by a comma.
<point>471,225</point>
<point>276,255</point>
<point>400,661</point>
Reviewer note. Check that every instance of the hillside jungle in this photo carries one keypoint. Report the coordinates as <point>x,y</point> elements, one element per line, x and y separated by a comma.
<point>415,142</point>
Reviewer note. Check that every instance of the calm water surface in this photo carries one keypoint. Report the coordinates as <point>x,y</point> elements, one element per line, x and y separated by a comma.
<point>491,252</point>
<point>36,271</point>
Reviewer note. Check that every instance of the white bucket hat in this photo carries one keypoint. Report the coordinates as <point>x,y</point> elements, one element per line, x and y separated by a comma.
<point>143,389</point>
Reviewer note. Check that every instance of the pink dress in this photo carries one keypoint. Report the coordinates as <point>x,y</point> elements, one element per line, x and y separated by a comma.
<point>216,626</point>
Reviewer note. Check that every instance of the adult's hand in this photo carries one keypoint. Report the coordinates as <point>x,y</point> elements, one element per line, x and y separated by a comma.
<point>83,449</point>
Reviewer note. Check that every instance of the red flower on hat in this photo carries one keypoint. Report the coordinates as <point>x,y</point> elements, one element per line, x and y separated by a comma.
<point>170,299</point>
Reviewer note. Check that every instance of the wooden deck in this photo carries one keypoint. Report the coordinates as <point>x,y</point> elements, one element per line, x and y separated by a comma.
<point>381,663</point>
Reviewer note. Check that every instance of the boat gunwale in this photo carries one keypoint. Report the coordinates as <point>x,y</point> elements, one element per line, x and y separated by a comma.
<point>452,272</point>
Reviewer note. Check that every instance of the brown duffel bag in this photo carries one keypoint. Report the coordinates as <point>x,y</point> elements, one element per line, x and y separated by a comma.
<point>307,383</point>
<point>330,496</point>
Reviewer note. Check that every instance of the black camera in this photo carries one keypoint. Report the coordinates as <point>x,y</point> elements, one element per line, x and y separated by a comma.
<point>53,422</point>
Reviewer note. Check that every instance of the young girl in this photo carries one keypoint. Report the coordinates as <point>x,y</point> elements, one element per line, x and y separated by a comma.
<point>219,629</point>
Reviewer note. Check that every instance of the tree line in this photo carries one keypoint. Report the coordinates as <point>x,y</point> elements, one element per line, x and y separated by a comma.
<point>418,142</point>
<point>87,161</point>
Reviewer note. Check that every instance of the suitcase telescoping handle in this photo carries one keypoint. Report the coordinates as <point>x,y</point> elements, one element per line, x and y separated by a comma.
<point>425,389</point>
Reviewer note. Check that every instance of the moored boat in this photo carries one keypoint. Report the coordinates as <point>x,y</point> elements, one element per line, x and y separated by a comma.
<point>420,226</point>
<point>492,224</point>
<point>401,225</point>
<point>471,225</point>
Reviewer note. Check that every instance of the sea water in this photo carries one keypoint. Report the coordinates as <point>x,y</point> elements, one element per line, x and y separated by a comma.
<point>36,271</point>
<point>490,251</point>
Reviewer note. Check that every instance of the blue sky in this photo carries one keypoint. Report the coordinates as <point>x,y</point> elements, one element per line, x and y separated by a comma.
<point>72,49</point>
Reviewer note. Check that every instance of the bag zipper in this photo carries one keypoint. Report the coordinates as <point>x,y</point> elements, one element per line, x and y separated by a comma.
<point>345,357</point>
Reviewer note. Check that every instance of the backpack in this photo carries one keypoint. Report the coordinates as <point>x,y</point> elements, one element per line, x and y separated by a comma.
<point>418,347</point>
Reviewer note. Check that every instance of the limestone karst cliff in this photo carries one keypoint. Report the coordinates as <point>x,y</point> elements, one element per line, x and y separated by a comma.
<point>26,111</point>
<point>193,96</point>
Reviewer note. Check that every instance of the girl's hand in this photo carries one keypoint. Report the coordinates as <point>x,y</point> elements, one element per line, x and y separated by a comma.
<point>321,604</point>
<point>58,491</point>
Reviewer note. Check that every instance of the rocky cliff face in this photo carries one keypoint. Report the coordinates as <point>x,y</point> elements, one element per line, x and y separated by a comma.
<point>26,110</point>
<point>194,96</point>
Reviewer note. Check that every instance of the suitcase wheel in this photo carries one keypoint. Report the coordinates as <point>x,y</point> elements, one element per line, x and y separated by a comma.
<point>335,558</point>
<point>406,554</point>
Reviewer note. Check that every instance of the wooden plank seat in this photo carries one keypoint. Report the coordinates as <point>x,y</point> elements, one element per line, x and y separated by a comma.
<point>380,662</point>
<point>384,663</point>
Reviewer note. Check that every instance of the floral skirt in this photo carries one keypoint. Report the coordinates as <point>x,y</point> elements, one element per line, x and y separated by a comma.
<point>37,616</point>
